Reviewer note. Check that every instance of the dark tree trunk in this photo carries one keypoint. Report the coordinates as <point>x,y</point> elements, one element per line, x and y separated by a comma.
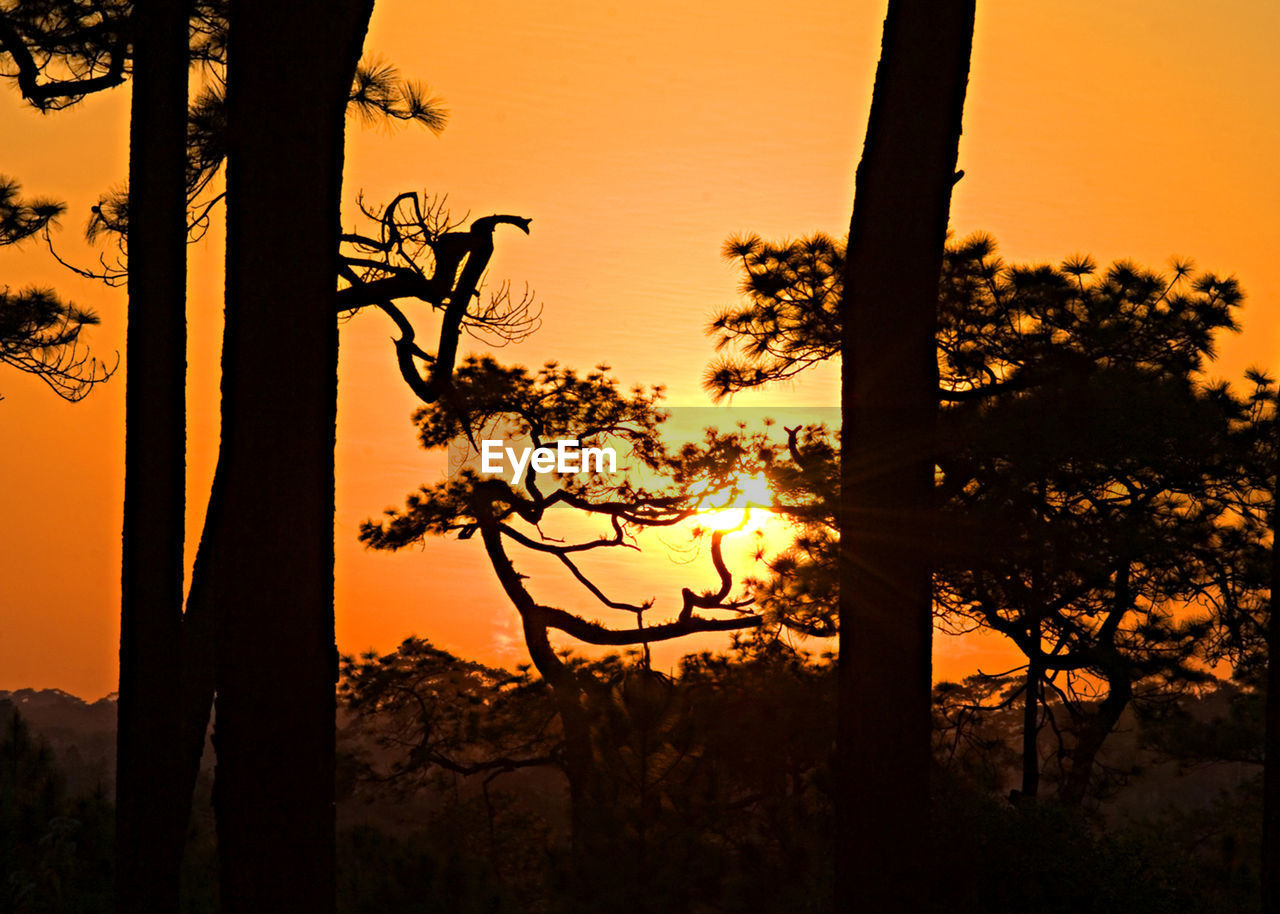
<point>1271,739</point>
<point>290,72</point>
<point>1079,774</point>
<point>607,874</point>
<point>587,805</point>
<point>889,406</point>
<point>595,829</point>
<point>1031,718</point>
<point>153,798</point>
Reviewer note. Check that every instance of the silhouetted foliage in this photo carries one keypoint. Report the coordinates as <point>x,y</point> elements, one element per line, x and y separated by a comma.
<point>714,780</point>
<point>40,333</point>
<point>720,782</point>
<point>55,849</point>
<point>1048,858</point>
<point>742,824</point>
<point>1190,739</point>
<point>59,51</point>
<point>1101,548</point>
<point>437,713</point>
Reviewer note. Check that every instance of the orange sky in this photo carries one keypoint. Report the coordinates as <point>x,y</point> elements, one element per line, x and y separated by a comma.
<point>638,137</point>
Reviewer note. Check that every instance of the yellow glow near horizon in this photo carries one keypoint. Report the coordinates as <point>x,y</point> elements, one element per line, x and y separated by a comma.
<point>746,508</point>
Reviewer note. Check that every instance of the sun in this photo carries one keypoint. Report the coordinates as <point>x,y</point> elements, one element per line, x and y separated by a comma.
<point>744,507</point>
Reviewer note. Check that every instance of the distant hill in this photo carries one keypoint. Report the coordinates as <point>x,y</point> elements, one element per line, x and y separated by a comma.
<point>81,733</point>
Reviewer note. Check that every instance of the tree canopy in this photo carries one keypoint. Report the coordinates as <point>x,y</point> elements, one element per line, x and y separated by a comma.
<point>1096,488</point>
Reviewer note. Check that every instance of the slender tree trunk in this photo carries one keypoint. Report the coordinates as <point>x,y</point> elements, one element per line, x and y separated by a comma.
<point>593,831</point>
<point>1271,739</point>
<point>889,406</point>
<point>153,799</point>
<point>290,72</point>
<point>592,804</point>
<point>1031,717</point>
<point>588,806</point>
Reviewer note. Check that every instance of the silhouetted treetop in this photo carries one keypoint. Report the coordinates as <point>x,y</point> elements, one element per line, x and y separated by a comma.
<point>1000,326</point>
<point>550,404</point>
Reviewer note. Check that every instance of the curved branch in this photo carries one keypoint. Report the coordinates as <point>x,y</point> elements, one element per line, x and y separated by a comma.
<point>594,633</point>
<point>562,550</point>
<point>710,600</point>
<point>56,93</point>
<point>586,582</point>
<point>375,292</point>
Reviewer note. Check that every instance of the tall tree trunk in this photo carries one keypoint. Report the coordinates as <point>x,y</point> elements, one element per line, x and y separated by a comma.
<point>290,73</point>
<point>589,831</point>
<point>1031,717</point>
<point>1271,739</point>
<point>889,406</point>
<point>152,797</point>
<point>594,825</point>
